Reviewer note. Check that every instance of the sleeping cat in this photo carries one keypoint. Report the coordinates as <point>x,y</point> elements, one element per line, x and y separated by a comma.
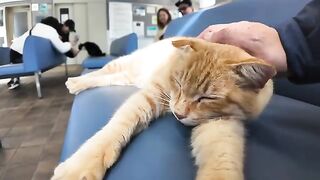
<point>213,87</point>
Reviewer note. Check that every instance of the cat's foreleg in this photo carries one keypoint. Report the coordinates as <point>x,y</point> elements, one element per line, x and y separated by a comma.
<point>99,153</point>
<point>76,85</point>
<point>118,65</point>
<point>218,147</point>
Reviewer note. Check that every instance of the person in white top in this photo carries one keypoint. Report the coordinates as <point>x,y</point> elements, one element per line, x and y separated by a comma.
<point>48,28</point>
<point>163,19</point>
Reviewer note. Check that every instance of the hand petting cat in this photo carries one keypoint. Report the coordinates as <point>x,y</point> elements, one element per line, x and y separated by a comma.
<point>256,38</point>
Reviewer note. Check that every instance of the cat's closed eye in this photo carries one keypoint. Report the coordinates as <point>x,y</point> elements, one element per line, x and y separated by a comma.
<point>177,82</point>
<point>207,98</point>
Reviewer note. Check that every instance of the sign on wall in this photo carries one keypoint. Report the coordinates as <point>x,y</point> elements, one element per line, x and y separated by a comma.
<point>120,19</point>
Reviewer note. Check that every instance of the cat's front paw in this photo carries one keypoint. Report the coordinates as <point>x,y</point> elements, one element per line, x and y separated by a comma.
<point>220,174</point>
<point>80,169</point>
<point>76,85</point>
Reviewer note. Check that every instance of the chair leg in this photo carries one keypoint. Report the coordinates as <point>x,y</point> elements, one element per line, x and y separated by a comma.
<point>0,144</point>
<point>37,77</point>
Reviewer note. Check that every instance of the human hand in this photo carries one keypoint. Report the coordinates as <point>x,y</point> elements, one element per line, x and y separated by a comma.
<point>257,39</point>
<point>74,39</point>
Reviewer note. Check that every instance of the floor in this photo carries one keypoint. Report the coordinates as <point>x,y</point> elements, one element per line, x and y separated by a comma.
<point>32,129</point>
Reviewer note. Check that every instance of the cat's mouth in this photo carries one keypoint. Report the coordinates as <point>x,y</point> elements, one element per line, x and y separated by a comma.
<point>184,120</point>
<point>188,122</point>
<point>196,121</point>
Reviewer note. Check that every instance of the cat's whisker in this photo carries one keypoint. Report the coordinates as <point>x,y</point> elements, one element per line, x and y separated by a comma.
<point>164,93</point>
<point>174,114</point>
<point>161,98</point>
<point>164,104</point>
<point>164,99</point>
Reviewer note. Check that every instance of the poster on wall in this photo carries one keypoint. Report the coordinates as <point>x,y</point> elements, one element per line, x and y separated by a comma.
<point>139,11</point>
<point>43,7</point>
<point>138,28</point>
<point>152,30</point>
<point>64,14</point>
<point>35,7</point>
<point>154,20</point>
<point>151,10</point>
<point>120,19</point>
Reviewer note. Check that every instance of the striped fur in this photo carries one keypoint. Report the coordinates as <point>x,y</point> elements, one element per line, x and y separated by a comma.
<point>213,87</point>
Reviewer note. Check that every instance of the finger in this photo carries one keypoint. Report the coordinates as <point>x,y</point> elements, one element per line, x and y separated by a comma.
<point>211,29</point>
<point>232,37</point>
<point>227,36</point>
<point>203,33</point>
<point>222,36</point>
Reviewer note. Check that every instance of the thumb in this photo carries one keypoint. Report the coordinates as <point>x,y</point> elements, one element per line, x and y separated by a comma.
<point>223,36</point>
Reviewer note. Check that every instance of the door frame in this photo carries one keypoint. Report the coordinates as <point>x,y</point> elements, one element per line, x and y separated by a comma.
<point>9,12</point>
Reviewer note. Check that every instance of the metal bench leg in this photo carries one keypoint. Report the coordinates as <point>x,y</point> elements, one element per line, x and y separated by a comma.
<point>37,77</point>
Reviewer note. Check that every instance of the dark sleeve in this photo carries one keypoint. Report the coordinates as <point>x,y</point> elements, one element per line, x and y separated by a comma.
<point>300,37</point>
<point>70,54</point>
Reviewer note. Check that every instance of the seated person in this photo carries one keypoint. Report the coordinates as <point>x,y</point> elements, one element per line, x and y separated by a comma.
<point>68,34</point>
<point>48,28</point>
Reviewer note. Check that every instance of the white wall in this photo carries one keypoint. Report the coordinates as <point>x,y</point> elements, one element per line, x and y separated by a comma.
<point>97,22</point>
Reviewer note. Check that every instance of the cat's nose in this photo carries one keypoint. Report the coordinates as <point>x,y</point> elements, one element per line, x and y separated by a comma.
<point>179,116</point>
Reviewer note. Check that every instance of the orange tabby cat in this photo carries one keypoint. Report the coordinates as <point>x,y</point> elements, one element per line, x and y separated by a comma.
<point>211,86</point>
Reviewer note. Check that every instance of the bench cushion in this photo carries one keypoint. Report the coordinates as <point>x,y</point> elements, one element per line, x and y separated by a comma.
<point>282,143</point>
<point>11,69</point>
<point>96,62</point>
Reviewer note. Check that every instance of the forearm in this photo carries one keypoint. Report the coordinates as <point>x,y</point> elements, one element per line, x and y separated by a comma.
<point>299,37</point>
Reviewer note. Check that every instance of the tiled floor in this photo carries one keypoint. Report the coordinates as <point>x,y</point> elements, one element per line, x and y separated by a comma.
<point>32,129</point>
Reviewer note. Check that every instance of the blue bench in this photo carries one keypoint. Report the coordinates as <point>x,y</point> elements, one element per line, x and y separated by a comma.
<point>4,56</point>
<point>282,144</point>
<point>39,55</point>
<point>119,47</point>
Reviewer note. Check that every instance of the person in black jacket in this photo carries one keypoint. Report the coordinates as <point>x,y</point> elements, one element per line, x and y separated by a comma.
<point>292,47</point>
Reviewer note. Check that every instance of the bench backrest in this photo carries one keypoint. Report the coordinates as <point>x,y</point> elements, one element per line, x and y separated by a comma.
<point>124,45</point>
<point>40,54</point>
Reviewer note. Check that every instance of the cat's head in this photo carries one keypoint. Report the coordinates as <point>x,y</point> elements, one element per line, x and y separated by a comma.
<point>209,81</point>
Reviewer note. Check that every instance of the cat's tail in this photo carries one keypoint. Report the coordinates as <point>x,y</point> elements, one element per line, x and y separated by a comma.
<point>80,46</point>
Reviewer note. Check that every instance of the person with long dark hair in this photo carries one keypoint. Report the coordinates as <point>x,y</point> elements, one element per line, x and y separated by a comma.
<point>163,19</point>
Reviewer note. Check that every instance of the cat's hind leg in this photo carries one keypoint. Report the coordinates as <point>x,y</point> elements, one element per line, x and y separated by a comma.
<point>218,147</point>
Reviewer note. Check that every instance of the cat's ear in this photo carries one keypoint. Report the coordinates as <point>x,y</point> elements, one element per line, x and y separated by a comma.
<point>187,42</point>
<point>253,73</point>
